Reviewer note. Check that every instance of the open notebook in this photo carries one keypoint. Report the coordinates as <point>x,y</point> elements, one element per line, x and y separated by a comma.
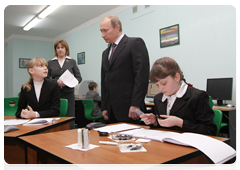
<point>218,151</point>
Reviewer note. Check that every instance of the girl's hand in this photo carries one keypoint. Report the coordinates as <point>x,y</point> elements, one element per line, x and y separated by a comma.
<point>149,119</point>
<point>170,121</point>
<point>27,114</point>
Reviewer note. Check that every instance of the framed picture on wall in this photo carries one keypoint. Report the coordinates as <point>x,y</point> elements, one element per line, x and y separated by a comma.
<point>169,36</point>
<point>23,62</point>
<point>81,58</point>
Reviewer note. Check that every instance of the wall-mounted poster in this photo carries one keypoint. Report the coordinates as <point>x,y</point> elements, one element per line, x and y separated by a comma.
<point>81,58</point>
<point>23,62</point>
<point>169,36</point>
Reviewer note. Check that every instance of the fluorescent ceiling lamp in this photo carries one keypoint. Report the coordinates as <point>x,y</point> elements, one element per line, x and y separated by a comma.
<point>40,16</point>
<point>31,24</point>
<point>48,11</point>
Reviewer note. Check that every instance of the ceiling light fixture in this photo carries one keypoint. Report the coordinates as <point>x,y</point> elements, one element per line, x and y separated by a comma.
<point>40,16</point>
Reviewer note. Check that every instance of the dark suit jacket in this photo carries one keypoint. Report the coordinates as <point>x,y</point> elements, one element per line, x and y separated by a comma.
<point>124,82</point>
<point>49,99</point>
<point>193,108</point>
<point>97,100</point>
<point>55,71</point>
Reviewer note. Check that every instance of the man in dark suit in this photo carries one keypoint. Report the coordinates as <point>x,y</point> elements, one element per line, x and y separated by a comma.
<point>124,74</point>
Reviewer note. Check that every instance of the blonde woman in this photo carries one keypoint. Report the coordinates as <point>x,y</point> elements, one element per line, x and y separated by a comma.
<point>40,95</point>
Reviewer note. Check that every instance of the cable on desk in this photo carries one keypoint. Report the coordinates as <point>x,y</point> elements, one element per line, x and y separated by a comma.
<point>230,122</point>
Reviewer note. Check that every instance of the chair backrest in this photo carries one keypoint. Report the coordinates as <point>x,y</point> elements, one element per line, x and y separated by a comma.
<point>218,119</point>
<point>63,107</point>
<point>88,105</point>
<point>210,102</point>
<point>10,106</point>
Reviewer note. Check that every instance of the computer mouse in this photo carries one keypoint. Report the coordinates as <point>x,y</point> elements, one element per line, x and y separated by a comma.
<point>230,105</point>
<point>9,128</point>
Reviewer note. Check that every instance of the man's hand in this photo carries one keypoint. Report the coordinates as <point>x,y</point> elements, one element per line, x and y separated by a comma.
<point>105,114</point>
<point>132,114</point>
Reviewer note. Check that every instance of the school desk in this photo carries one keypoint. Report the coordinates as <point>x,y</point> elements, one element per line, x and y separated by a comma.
<point>229,117</point>
<point>51,149</point>
<point>14,151</point>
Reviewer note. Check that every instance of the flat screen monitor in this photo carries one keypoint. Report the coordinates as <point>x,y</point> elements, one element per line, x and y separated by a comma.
<point>152,90</point>
<point>220,89</point>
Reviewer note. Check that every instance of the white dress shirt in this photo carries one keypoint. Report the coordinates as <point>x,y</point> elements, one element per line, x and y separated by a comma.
<point>116,42</point>
<point>61,64</point>
<point>171,99</point>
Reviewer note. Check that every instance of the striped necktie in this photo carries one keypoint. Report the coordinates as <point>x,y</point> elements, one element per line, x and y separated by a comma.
<point>113,49</point>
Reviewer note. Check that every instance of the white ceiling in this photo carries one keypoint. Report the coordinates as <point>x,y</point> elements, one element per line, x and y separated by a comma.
<point>63,19</point>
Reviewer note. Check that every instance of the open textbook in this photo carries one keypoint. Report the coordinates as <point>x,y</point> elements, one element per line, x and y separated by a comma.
<point>218,151</point>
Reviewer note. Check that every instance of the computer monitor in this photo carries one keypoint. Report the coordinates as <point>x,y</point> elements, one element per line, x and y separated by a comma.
<point>220,89</point>
<point>152,90</point>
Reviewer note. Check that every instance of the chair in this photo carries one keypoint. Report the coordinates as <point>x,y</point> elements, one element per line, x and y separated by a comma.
<point>218,117</point>
<point>10,106</point>
<point>88,105</point>
<point>218,120</point>
<point>210,102</point>
<point>63,107</point>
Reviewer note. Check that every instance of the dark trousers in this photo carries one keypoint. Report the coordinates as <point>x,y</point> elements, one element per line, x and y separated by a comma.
<point>71,105</point>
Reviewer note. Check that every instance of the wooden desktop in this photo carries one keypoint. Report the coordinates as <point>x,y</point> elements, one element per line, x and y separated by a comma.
<point>224,108</point>
<point>51,149</point>
<point>14,151</point>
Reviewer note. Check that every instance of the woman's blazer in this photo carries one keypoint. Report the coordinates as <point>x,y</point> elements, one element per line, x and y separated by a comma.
<point>55,71</point>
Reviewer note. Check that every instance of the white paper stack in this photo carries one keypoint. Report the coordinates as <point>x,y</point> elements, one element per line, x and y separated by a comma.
<point>68,79</point>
